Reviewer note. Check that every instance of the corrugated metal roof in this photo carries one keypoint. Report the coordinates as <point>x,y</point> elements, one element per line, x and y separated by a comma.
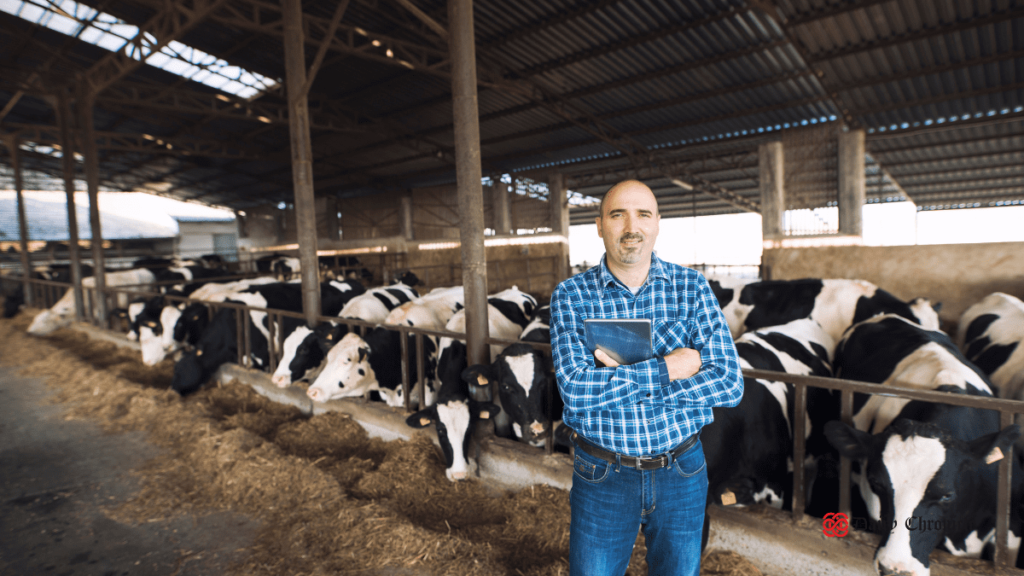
<point>598,90</point>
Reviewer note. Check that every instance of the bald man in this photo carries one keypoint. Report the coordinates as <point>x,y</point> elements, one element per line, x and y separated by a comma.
<point>639,463</point>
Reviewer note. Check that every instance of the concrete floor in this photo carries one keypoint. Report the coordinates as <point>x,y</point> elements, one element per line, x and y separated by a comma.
<point>57,477</point>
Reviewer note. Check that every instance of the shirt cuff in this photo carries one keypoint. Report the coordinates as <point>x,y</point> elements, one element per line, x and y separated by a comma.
<point>663,371</point>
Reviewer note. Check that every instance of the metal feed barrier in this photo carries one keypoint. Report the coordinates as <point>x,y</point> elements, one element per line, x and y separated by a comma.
<point>48,292</point>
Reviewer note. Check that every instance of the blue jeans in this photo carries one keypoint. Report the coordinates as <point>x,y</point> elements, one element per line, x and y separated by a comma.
<point>610,504</point>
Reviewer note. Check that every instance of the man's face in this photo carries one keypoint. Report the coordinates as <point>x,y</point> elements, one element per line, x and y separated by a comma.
<point>629,224</point>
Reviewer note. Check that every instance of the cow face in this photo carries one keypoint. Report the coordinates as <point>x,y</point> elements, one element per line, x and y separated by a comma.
<point>285,374</point>
<point>348,372</point>
<point>523,387</point>
<point>453,421</point>
<point>928,486</point>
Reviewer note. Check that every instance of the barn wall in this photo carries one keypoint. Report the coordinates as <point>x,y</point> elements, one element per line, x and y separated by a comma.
<point>435,214</point>
<point>957,275</point>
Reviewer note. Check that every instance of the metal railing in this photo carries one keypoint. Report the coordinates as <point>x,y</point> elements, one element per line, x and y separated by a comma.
<point>846,388</point>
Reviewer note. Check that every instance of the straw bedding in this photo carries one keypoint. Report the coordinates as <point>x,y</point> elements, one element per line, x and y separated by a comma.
<point>329,498</point>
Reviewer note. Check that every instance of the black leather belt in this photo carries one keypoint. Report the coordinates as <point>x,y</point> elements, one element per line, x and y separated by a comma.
<point>655,463</point>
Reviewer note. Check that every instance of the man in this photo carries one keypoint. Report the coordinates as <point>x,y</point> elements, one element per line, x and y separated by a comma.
<point>639,463</point>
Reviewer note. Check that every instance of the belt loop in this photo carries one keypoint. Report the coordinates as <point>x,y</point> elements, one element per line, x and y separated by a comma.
<point>670,458</point>
<point>618,461</point>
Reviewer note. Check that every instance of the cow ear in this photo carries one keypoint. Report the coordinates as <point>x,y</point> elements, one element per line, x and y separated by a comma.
<point>849,441</point>
<point>993,447</point>
<point>937,307</point>
<point>478,374</point>
<point>362,354</point>
<point>421,419</point>
<point>485,410</point>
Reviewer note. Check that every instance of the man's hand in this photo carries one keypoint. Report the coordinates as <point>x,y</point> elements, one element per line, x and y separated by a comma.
<point>682,363</point>
<point>605,359</point>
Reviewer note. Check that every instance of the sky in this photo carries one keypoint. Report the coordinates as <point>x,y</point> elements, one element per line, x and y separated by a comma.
<point>736,238</point>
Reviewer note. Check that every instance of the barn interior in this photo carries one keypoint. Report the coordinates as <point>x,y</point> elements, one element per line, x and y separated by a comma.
<point>434,136</point>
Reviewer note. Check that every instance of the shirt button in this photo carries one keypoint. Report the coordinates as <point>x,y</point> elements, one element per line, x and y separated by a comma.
<point>648,395</point>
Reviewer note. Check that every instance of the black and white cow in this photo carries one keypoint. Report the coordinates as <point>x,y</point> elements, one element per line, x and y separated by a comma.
<point>63,312</point>
<point>508,313</point>
<point>453,416</point>
<point>834,304</point>
<point>430,311</point>
<point>358,365</point>
<point>218,343</point>
<point>918,459</point>
<point>377,303</point>
<point>749,448</point>
<point>15,299</point>
<point>304,352</point>
<point>526,389</point>
<point>539,328</point>
<point>991,335</point>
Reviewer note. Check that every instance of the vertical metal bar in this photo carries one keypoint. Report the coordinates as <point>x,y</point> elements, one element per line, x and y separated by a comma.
<point>846,415</point>
<point>247,337</point>
<point>271,337</point>
<point>302,157</point>
<point>1003,497</point>
<point>239,337</point>
<point>92,179</point>
<point>799,429</point>
<point>469,176</point>
<point>421,381</point>
<point>403,346</point>
<point>68,161</point>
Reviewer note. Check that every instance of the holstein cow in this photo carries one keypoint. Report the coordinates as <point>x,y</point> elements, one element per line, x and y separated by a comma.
<point>377,303</point>
<point>919,461</point>
<point>508,313</point>
<point>218,344</point>
<point>835,304</point>
<point>749,448</point>
<point>63,312</point>
<point>54,273</point>
<point>305,349</point>
<point>453,416</point>
<point>990,335</point>
<point>141,310</point>
<point>539,328</point>
<point>526,389</point>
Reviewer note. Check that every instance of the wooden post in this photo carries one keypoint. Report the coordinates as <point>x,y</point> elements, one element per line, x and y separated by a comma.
<point>559,206</point>
<point>773,193</point>
<point>68,162</point>
<point>26,264</point>
<point>851,182</point>
<point>92,179</point>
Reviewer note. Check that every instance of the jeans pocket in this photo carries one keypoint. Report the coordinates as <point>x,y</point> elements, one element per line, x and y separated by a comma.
<point>589,469</point>
<point>691,462</point>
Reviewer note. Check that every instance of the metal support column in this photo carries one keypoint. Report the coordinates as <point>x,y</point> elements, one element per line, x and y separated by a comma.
<point>469,175</point>
<point>68,161</point>
<point>851,182</point>
<point>502,208</point>
<point>559,218</point>
<point>773,192</point>
<point>92,179</point>
<point>302,157</point>
<point>406,216</point>
<point>26,264</point>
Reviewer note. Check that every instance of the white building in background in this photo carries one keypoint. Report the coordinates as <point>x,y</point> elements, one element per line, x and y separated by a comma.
<point>201,235</point>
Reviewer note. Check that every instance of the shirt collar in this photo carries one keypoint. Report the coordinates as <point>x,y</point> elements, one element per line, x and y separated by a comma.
<point>605,276</point>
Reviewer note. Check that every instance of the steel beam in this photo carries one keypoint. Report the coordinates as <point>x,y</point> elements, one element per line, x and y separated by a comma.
<point>469,175</point>
<point>302,157</point>
<point>68,163</point>
<point>90,153</point>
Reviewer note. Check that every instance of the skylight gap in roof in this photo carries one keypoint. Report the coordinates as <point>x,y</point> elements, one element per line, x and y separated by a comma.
<point>103,30</point>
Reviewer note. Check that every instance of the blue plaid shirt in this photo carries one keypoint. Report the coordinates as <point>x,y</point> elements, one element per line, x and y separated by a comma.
<point>635,410</point>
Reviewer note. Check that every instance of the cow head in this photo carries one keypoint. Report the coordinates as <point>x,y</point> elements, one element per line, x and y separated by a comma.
<point>524,388</point>
<point>348,372</point>
<point>304,352</point>
<point>927,487</point>
<point>453,418</point>
<point>190,326</point>
<point>927,314</point>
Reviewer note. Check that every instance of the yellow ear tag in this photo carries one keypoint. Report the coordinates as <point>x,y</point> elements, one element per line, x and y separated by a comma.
<point>485,415</point>
<point>199,352</point>
<point>728,498</point>
<point>481,380</point>
<point>424,421</point>
<point>151,324</point>
<point>994,456</point>
<point>330,336</point>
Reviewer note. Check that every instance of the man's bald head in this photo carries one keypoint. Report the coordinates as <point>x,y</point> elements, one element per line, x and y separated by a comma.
<point>625,184</point>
